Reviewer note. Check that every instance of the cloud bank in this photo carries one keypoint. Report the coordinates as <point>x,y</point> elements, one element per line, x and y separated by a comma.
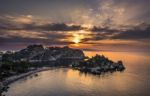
<point>101,23</point>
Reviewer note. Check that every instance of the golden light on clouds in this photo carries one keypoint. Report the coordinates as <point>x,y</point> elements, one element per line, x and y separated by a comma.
<point>25,34</point>
<point>25,19</point>
<point>77,37</point>
<point>117,41</point>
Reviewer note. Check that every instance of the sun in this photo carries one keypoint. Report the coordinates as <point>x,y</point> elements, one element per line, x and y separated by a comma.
<point>76,38</point>
<point>76,41</point>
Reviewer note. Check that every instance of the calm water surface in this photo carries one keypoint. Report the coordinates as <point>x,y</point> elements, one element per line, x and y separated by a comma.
<point>134,81</point>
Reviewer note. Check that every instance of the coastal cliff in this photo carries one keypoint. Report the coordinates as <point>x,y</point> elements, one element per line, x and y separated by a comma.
<point>38,53</point>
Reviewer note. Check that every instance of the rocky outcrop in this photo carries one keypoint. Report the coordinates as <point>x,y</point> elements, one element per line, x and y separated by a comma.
<point>98,64</point>
<point>37,53</point>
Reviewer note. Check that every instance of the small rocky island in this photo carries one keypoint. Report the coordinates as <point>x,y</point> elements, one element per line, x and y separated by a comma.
<point>98,64</point>
<point>38,56</point>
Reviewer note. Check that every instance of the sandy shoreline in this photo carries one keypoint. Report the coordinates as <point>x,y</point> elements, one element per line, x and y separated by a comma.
<point>14,78</point>
<point>11,79</point>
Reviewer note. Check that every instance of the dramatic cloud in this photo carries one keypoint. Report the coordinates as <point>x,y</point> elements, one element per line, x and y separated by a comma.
<point>77,23</point>
<point>134,34</point>
<point>95,12</point>
<point>30,23</point>
<point>53,27</point>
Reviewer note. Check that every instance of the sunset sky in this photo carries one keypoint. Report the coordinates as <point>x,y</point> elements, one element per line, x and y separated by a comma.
<point>116,25</point>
